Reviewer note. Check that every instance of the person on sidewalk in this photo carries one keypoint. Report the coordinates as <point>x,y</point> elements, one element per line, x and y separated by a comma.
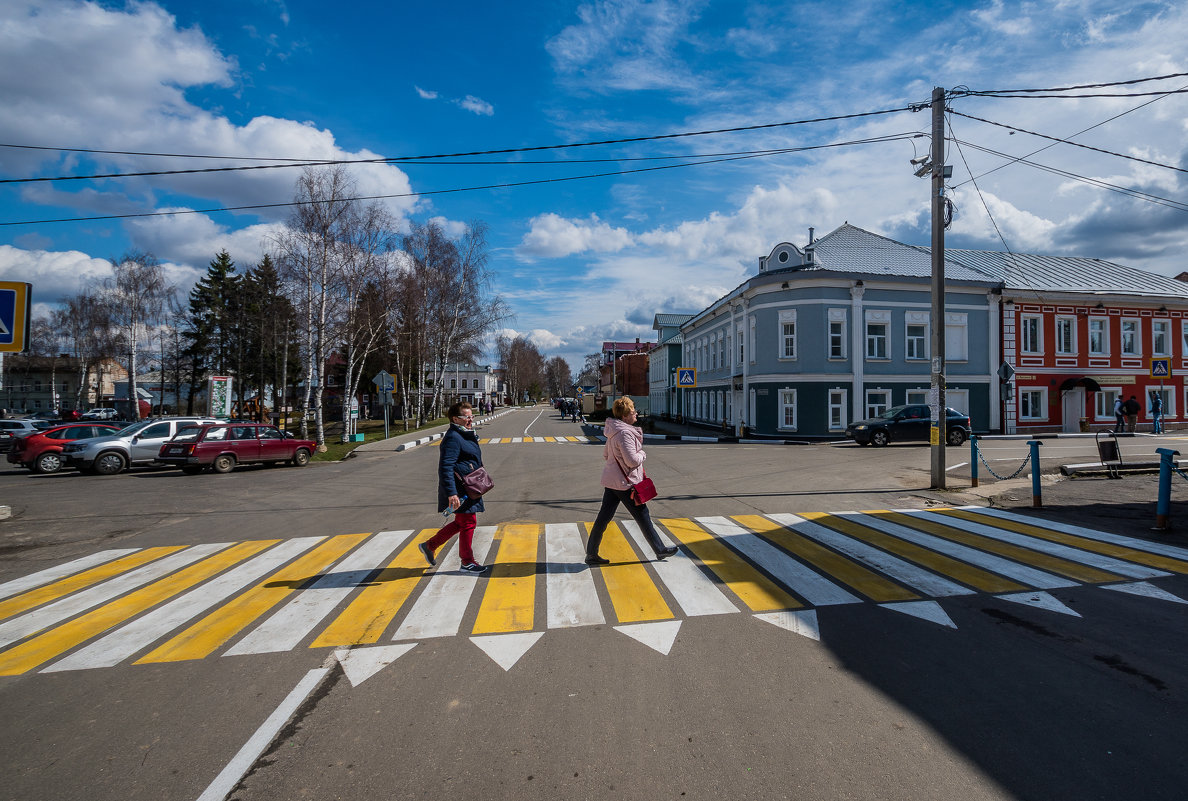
<point>624,455</point>
<point>1156,413</point>
<point>459,452</point>
<point>1119,415</point>
<point>1131,407</point>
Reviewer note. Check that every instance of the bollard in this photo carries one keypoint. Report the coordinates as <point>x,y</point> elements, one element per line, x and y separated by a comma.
<point>1166,464</point>
<point>973,460</point>
<point>1037,498</point>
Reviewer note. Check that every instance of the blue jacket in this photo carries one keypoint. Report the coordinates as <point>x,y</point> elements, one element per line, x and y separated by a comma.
<point>459,451</point>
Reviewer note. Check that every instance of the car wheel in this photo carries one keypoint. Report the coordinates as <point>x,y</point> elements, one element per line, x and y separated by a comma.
<point>301,457</point>
<point>48,463</point>
<point>108,464</point>
<point>224,464</point>
<point>192,469</point>
<point>879,438</point>
<point>955,436</point>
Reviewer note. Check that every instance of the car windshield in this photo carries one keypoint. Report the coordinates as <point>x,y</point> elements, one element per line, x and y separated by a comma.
<point>187,434</point>
<point>136,428</point>
<point>891,413</point>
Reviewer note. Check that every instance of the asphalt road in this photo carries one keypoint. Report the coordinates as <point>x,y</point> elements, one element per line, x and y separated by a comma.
<point>1008,699</point>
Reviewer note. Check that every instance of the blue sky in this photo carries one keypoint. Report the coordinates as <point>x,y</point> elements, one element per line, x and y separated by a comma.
<point>587,260</point>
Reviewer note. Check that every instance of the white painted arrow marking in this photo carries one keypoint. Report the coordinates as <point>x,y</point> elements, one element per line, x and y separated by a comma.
<point>925,610</point>
<point>1146,590</point>
<point>1040,600</point>
<point>657,636</point>
<point>360,664</point>
<point>506,649</point>
<point>803,623</point>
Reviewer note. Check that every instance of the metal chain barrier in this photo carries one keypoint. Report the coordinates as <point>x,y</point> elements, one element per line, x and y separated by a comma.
<point>1181,473</point>
<point>1022,467</point>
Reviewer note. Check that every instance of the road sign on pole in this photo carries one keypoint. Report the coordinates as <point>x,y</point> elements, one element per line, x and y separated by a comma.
<point>16,300</point>
<point>1161,368</point>
<point>686,377</point>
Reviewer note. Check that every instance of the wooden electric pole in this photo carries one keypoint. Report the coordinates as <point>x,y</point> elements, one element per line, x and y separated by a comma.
<point>937,395</point>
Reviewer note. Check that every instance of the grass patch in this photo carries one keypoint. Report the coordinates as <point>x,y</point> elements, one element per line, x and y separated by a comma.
<point>337,450</point>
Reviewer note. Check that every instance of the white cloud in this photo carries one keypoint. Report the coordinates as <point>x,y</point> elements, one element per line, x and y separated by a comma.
<point>425,93</point>
<point>551,236</point>
<point>62,274</point>
<point>476,105</point>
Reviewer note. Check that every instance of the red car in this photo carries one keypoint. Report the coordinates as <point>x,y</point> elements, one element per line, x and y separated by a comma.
<point>222,446</point>
<point>41,451</point>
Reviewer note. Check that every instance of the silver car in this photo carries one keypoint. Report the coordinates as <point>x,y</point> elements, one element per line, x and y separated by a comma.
<point>134,446</point>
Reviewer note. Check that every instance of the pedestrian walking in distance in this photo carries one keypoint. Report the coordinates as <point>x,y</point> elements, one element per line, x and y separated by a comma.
<point>459,453</point>
<point>1119,415</point>
<point>1132,408</point>
<point>624,455</point>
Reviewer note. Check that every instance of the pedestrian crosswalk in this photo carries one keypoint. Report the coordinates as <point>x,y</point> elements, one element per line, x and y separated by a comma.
<point>176,603</point>
<point>578,440</point>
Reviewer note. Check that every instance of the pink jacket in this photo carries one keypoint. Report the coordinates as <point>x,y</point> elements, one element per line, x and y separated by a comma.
<point>624,442</point>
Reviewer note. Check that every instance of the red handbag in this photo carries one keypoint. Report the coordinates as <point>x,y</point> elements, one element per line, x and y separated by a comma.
<point>642,492</point>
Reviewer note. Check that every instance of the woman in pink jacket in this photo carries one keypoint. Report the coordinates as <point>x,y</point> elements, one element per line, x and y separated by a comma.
<point>624,456</point>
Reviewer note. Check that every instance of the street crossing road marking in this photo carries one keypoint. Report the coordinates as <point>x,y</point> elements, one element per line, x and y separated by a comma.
<point>261,596</point>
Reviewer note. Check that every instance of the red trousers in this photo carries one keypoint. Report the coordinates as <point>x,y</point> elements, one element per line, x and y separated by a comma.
<point>462,525</point>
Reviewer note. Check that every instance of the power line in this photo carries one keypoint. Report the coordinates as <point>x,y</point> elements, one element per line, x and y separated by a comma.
<point>258,206</point>
<point>967,92</point>
<point>401,159</point>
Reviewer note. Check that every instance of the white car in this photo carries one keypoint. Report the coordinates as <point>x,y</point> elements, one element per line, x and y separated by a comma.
<point>101,414</point>
<point>134,446</point>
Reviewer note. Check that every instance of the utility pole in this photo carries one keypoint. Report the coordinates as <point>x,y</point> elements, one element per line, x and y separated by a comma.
<point>937,395</point>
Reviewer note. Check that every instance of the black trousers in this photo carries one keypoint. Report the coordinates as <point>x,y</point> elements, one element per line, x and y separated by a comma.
<point>611,498</point>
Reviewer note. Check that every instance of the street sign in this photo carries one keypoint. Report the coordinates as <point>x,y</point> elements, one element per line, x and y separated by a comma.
<point>384,381</point>
<point>16,299</point>
<point>1161,368</point>
<point>686,376</point>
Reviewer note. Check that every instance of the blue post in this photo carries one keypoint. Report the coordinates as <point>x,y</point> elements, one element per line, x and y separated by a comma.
<point>973,459</point>
<point>1166,455</point>
<point>1037,498</point>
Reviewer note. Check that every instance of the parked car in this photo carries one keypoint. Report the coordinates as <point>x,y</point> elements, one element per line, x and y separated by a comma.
<point>17,428</point>
<point>101,414</point>
<point>911,423</point>
<point>223,446</point>
<point>134,446</point>
<point>41,451</point>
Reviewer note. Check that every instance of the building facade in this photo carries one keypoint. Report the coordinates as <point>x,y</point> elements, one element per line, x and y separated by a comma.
<point>663,360</point>
<point>30,384</point>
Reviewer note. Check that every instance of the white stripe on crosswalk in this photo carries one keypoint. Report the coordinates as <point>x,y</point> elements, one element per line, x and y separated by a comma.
<point>1092,534</point>
<point>804,581</point>
<point>439,610</point>
<point>144,631</point>
<point>995,564</point>
<point>692,589</point>
<point>71,605</point>
<point>287,627</point>
<point>915,577</point>
<point>572,599</point>
<point>17,586</point>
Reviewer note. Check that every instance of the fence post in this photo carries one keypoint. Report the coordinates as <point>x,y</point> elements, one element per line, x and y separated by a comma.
<point>1037,498</point>
<point>973,460</point>
<point>1166,463</point>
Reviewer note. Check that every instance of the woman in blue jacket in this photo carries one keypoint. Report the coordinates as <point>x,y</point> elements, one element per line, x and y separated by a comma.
<point>459,452</point>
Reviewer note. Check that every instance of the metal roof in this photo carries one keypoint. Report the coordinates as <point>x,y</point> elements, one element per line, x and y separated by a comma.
<point>670,320</point>
<point>1027,272</point>
<point>851,249</point>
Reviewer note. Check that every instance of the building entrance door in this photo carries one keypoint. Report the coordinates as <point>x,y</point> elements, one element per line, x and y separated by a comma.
<point>1073,409</point>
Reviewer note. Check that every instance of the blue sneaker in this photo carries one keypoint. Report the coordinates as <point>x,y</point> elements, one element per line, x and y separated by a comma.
<point>424,546</point>
<point>472,567</point>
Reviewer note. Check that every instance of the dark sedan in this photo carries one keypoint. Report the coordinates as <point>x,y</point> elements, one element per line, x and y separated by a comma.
<point>910,423</point>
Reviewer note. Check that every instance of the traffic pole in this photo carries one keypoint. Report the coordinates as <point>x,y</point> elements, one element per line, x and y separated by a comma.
<point>1163,505</point>
<point>1037,498</point>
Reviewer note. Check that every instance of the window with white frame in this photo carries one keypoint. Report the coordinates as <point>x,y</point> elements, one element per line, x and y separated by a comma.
<point>788,334</point>
<point>877,401</point>
<point>1184,339</point>
<point>1030,332</point>
<point>1033,404</point>
<point>1066,335</point>
<point>837,334</point>
<point>917,396</point>
<point>1161,338</point>
<point>956,337</point>
<point>916,335</point>
<point>877,325</point>
<point>787,411</point>
<point>742,350</point>
<point>1130,338</point>
<point>837,410</point>
<point>1103,402</point>
<point>1099,336</point>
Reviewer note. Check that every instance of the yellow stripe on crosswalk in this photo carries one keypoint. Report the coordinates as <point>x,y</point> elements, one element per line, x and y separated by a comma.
<point>509,603</point>
<point>628,583</point>
<point>1084,543</point>
<point>1044,561</point>
<point>63,587</point>
<point>754,589</point>
<point>202,638</point>
<point>364,620</point>
<point>871,584</point>
<point>54,642</point>
<point>550,439</point>
<point>967,574</point>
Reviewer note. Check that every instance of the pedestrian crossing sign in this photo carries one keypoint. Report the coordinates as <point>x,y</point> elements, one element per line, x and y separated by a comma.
<point>15,301</point>
<point>1161,368</point>
<point>686,376</point>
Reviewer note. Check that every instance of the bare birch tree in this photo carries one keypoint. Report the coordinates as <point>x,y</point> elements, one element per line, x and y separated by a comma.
<point>134,297</point>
